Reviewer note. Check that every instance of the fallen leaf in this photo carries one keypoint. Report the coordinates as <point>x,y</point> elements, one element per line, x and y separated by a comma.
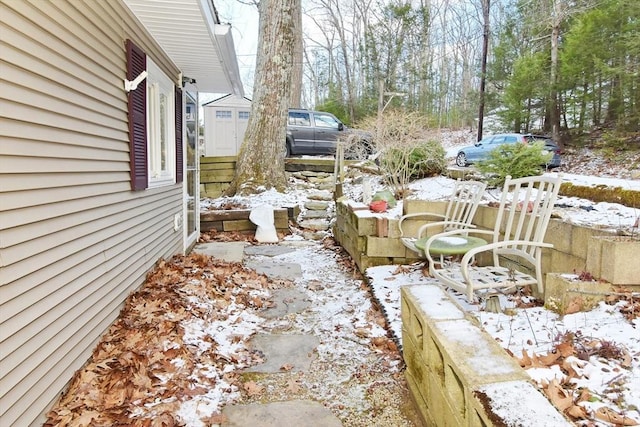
<point>558,396</point>
<point>525,360</point>
<point>585,396</point>
<point>611,416</point>
<point>549,359</point>
<point>361,333</point>
<point>215,419</point>
<point>577,412</point>
<point>379,342</point>
<point>86,419</point>
<point>565,349</point>
<point>164,420</point>
<point>573,367</point>
<point>399,270</point>
<point>252,388</point>
<point>575,305</point>
<point>293,386</point>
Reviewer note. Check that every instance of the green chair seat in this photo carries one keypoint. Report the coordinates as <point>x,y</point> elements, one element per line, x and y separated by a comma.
<point>451,245</point>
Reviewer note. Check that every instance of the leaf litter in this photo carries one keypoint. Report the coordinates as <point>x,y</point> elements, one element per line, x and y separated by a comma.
<point>175,355</point>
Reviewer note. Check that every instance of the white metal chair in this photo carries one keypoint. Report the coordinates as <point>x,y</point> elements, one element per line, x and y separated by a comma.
<point>459,214</point>
<point>521,223</point>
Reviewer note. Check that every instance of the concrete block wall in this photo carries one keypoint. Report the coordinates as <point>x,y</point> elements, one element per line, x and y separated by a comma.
<point>238,220</point>
<point>576,248</point>
<point>615,259</point>
<point>457,374</point>
<point>370,239</point>
<point>567,295</point>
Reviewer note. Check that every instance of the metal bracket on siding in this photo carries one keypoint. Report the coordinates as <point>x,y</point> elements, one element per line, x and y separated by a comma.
<point>132,85</point>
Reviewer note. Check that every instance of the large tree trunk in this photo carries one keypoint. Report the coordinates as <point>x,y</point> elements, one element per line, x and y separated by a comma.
<point>296,73</point>
<point>261,158</point>
<point>554,107</point>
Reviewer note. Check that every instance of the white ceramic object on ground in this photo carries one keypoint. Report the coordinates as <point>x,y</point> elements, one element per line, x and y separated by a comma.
<point>262,217</point>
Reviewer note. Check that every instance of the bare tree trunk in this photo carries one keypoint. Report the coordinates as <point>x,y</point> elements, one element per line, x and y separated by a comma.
<point>296,74</point>
<point>583,106</point>
<point>554,107</point>
<point>483,78</point>
<point>261,158</point>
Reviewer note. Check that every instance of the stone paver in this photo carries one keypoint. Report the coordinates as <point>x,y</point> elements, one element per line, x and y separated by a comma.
<point>279,270</point>
<point>280,414</point>
<point>286,301</point>
<point>268,250</point>
<point>227,251</point>
<point>293,352</point>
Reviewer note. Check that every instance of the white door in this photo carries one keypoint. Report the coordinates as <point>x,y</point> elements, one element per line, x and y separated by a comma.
<point>241,126</point>
<point>223,132</point>
<point>192,173</point>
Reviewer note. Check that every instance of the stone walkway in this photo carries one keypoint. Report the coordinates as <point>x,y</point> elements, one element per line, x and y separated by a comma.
<point>299,388</point>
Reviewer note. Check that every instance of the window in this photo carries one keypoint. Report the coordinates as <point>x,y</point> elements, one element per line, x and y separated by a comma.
<point>299,119</point>
<point>155,124</point>
<point>223,114</point>
<point>161,126</point>
<point>326,121</point>
<point>243,115</point>
<point>190,112</point>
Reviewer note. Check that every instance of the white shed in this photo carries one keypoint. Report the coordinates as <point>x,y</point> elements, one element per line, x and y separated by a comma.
<point>225,121</point>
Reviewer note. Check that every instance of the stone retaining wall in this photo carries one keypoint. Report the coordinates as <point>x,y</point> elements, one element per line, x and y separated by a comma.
<point>216,174</point>
<point>238,220</point>
<point>373,239</point>
<point>458,374</point>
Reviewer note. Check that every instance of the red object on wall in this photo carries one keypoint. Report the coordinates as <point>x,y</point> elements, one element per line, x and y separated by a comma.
<point>378,206</point>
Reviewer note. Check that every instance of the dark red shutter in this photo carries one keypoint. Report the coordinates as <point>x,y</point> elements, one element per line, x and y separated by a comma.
<point>137,99</point>
<point>179,154</point>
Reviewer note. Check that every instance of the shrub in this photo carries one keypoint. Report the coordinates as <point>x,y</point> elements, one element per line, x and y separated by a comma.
<point>516,160</point>
<point>418,160</point>
<point>407,148</point>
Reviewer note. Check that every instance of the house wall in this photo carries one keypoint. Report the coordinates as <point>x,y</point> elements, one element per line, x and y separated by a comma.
<point>74,239</point>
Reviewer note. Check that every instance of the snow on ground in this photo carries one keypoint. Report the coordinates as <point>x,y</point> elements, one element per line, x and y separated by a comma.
<point>604,215</point>
<point>535,330</point>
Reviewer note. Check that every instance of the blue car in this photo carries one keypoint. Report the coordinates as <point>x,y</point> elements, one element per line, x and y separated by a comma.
<point>481,149</point>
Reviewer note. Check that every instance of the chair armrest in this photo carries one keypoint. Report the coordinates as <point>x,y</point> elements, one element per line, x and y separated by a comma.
<point>502,244</point>
<point>425,227</point>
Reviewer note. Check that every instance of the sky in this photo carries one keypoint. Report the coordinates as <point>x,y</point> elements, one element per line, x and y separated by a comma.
<point>243,18</point>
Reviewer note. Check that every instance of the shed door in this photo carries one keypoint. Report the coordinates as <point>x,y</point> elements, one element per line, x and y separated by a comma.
<point>241,127</point>
<point>224,135</point>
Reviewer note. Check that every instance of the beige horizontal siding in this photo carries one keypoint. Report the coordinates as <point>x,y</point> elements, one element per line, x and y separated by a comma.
<point>87,236</point>
<point>29,148</point>
<point>33,181</point>
<point>22,130</point>
<point>74,239</point>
